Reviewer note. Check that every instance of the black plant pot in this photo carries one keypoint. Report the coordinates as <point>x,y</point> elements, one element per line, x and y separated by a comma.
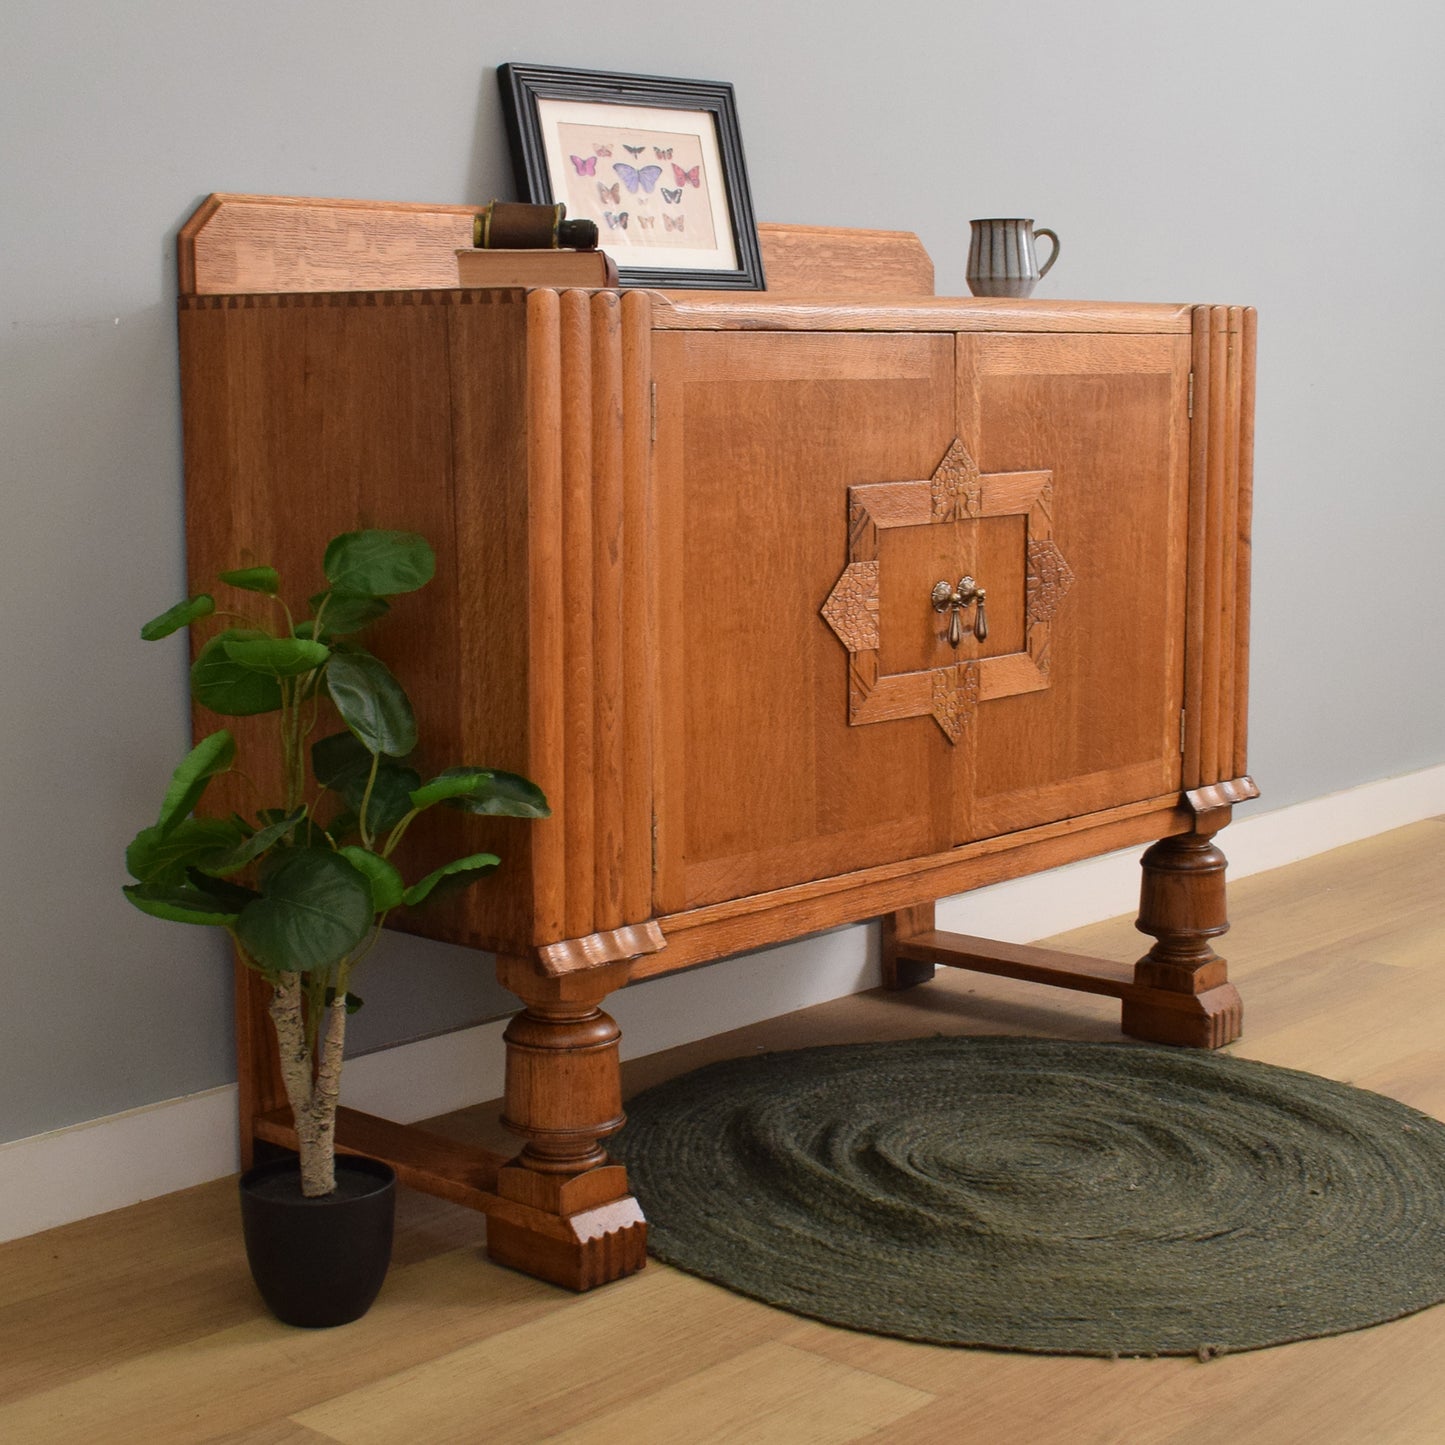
<point>319,1262</point>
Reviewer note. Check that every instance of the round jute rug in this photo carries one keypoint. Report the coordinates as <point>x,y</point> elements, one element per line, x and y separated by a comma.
<point>1035,1194</point>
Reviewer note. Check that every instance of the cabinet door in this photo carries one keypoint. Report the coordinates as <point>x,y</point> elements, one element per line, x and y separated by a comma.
<point>817,712</point>
<point>762,781</point>
<point>1107,418</point>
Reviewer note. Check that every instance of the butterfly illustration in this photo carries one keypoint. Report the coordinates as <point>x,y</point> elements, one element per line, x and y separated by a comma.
<point>661,154</point>
<point>586,167</point>
<point>647,222</point>
<point>674,225</point>
<point>616,222</point>
<point>686,178</point>
<point>603,150</point>
<point>672,197</point>
<point>610,194</point>
<point>646,177</point>
<point>634,150</point>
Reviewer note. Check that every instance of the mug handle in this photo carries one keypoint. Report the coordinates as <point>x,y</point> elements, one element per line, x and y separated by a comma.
<point>1053,255</point>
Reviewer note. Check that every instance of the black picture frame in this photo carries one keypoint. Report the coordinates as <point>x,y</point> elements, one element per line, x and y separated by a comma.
<point>543,103</point>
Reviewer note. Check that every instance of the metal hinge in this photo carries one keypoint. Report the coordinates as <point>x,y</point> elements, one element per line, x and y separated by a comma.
<point>1183,716</point>
<point>652,435</point>
<point>654,845</point>
<point>1191,396</point>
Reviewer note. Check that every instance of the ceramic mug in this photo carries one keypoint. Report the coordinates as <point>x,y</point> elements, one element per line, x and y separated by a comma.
<point>1001,258</point>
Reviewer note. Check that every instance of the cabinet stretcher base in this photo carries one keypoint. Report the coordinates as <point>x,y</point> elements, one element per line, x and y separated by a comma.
<point>598,1239</point>
<point>1206,1020</point>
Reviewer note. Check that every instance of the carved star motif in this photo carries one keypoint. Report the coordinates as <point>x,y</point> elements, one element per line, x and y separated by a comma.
<point>956,486</point>
<point>955,698</point>
<point>1049,577</point>
<point>852,607</point>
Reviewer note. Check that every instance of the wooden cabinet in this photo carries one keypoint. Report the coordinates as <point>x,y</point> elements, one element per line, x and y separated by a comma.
<point>711,571</point>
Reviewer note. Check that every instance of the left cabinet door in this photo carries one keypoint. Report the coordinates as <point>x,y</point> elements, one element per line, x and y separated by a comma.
<point>761,780</point>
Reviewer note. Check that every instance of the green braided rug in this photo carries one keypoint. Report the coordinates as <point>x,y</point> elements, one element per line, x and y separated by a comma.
<point>1035,1194</point>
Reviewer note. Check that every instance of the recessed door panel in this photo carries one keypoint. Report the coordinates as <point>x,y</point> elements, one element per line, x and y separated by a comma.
<point>762,781</point>
<point>1108,417</point>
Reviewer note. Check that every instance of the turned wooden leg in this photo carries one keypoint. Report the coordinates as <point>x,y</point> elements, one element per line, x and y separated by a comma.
<point>897,927</point>
<point>578,1225</point>
<point>1181,903</point>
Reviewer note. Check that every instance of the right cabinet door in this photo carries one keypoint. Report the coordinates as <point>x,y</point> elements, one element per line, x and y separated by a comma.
<point>1093,573</point>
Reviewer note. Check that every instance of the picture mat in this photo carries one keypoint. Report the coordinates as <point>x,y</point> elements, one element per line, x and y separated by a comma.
<point>692,136</point>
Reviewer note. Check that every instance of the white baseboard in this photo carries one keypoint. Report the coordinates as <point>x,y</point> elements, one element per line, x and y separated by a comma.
<point>103,1164</point>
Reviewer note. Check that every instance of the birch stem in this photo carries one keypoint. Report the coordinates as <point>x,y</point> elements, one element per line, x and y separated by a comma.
<point>313,1100</point>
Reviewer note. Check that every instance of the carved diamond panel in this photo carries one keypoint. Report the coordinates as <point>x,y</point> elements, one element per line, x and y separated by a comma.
<point>852,607</point>
<point>957,494</point>
<point>955,697</point>
<point>1049,578</point>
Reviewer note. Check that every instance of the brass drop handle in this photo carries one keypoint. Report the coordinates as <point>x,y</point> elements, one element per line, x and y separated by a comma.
<point>953,600</point>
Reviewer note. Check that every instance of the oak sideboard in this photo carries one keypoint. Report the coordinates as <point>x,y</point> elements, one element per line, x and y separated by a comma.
<point>804,607</point>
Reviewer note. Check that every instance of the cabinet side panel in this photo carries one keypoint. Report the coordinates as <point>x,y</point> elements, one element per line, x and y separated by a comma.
<point>488,360</point>
<point>306,416</point>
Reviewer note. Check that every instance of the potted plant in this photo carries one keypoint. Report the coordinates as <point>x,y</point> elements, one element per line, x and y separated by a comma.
<point>304,877</point>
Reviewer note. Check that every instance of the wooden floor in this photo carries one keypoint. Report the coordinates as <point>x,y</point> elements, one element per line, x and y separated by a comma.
<point>142,1325</point>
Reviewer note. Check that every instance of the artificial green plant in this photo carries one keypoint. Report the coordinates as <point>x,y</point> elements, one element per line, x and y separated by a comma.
<point>304,879</point>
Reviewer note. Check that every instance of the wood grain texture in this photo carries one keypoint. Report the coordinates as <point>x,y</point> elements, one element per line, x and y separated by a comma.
<point>1221,488</point>
<point>253,243</point>
<point>1103,444</point>
<point>698,311</point>
<point>639,607</point>
<point>704,933</point>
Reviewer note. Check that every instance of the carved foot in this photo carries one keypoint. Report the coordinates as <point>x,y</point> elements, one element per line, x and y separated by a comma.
<point>1207,1020</point>
<point>564,1212</point>
<point>578,1233</point>
<point>1181,992</point>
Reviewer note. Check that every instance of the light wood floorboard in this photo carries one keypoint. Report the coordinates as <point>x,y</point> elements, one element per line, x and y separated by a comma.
<point>141,1325</point>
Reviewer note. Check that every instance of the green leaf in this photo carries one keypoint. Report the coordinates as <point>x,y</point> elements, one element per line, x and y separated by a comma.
<point>280,656</point>
<point>507,795</point>
<point>371,702</point>
<point>339,757</point>
<point>452,876</point>
<point>254,579</point>
<point>344,825</point>
<point>246,848</point>
<point>342,763</point>
<point>453,783</point>
<point>163,858</point>
<point>180,904</point>
<point>386,884</point>
<point>212,755</point>
<point>347,612</point>
<point>379,564</point>
<point>175,618</point>
<point>233,897</point>
<point>313,910</point>
<point>225,686</point>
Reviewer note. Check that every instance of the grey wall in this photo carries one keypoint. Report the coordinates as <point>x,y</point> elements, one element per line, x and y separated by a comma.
<point>1284,155</point>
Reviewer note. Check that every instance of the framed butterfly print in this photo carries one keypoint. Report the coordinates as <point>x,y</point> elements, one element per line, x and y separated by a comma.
<point>657,163</point>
